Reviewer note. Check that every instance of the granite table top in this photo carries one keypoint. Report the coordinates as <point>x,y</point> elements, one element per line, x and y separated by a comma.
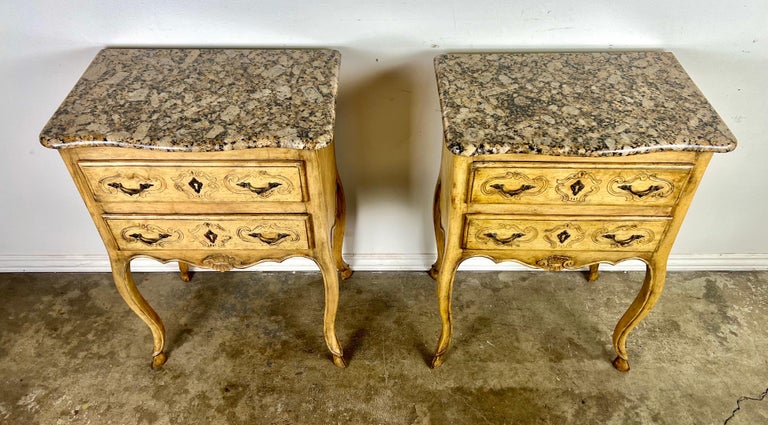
<point>574,104</point>
<point>200,100</point>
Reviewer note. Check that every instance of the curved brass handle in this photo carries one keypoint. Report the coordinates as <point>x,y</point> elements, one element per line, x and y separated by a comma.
<point>259,190</point>
<point>269,241</point>
<point>642,193</point>
<point>129,191</point>
<point>504,241</point>
<point>521,189</point>
<point>149,241</point>
<point>623,242</point>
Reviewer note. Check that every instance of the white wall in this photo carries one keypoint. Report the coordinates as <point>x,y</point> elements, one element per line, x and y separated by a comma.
<point>388,131</point>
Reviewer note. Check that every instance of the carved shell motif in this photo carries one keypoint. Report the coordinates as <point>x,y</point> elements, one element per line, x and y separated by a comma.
<point>555,263</point>
<point>221,262</point>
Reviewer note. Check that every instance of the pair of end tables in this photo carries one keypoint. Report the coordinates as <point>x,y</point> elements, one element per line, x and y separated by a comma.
<point>224,158</point>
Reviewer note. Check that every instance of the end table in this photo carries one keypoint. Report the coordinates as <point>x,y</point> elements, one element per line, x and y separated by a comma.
<point>219,158</point>
<point>565,160</point>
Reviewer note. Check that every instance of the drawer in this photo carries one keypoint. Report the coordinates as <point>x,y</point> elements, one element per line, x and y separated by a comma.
<point>235,232</point>
<point>488,232</point>
<point>240,181</point>
<point>578,183</point>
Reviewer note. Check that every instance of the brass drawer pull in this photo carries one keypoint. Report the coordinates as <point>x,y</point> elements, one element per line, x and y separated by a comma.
<point>128,191</point>
<point>269,241</point>
<point>149,241</point>
<point>504,241</point>
<point>623,242</point>
<point>259,190</point>
<point>521,189</point>
<point>642,193</point>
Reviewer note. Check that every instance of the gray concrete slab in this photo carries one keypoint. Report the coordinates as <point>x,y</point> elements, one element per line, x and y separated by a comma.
<point>247,348</point>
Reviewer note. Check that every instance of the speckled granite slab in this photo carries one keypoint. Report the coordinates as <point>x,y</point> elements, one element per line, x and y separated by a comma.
<point>575,104</point>
<point>200,100</point>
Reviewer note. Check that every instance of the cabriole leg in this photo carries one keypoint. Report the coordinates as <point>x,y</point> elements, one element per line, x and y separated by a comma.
<point>121,272</point>
<point>655,274</point>
<point>331,285</point>
<point>444,295</point>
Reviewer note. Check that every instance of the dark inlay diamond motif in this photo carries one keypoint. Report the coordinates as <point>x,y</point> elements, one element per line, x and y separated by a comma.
<point>577,187</point>
<point>211,236</point>
<point>196,185</point>
<point>563,236</point>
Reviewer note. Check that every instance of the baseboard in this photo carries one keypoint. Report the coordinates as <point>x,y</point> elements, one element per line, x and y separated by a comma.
<point>372,262</point>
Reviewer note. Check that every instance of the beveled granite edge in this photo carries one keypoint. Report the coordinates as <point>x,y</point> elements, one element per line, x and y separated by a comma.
<point>485,149</point>
<point>200,100</point>
<point>574,104</point>
<point>210,147</point>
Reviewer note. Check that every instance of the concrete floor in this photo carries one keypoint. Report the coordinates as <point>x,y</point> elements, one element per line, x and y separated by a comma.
<point>247,348</point>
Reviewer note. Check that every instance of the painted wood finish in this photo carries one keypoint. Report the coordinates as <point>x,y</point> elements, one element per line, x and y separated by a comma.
<point>235,181</point>
<point>559,232</point>
<point>221,229</point>
<point>217,158</point>
<point>562,161</point>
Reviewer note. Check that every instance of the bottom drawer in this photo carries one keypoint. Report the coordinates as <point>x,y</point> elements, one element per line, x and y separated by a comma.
<point>268,231</point>
<point>490,232</point>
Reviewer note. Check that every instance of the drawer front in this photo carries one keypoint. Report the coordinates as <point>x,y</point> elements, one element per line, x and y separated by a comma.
<point>256,232</point>
<point>564,233</point>
<point>578,184</point>
<point>245,181</point>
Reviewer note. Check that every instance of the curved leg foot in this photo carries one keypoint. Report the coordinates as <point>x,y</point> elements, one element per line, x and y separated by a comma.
<point>444,291</point>
<point>338,231</point>
<point>655,274</point>
<point>346,273</point>
<point>622,365</point>
<point>331,284</point>
<point>437,361</point>
<point>593,272</point>
<point>434,271</point>
<point>339,361</point>
<point>121,272</point>
<point>159,360</point>
<point>186,276</point>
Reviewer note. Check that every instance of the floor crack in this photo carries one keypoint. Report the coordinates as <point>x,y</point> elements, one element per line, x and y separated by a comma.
<point>761,397</point>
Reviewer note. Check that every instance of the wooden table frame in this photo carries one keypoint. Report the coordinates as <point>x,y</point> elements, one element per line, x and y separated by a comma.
<point>452,203</point>
<point>324,206</point>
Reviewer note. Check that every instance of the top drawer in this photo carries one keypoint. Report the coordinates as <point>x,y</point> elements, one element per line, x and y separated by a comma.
<point>225,181</point>
<point>578,183</point>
